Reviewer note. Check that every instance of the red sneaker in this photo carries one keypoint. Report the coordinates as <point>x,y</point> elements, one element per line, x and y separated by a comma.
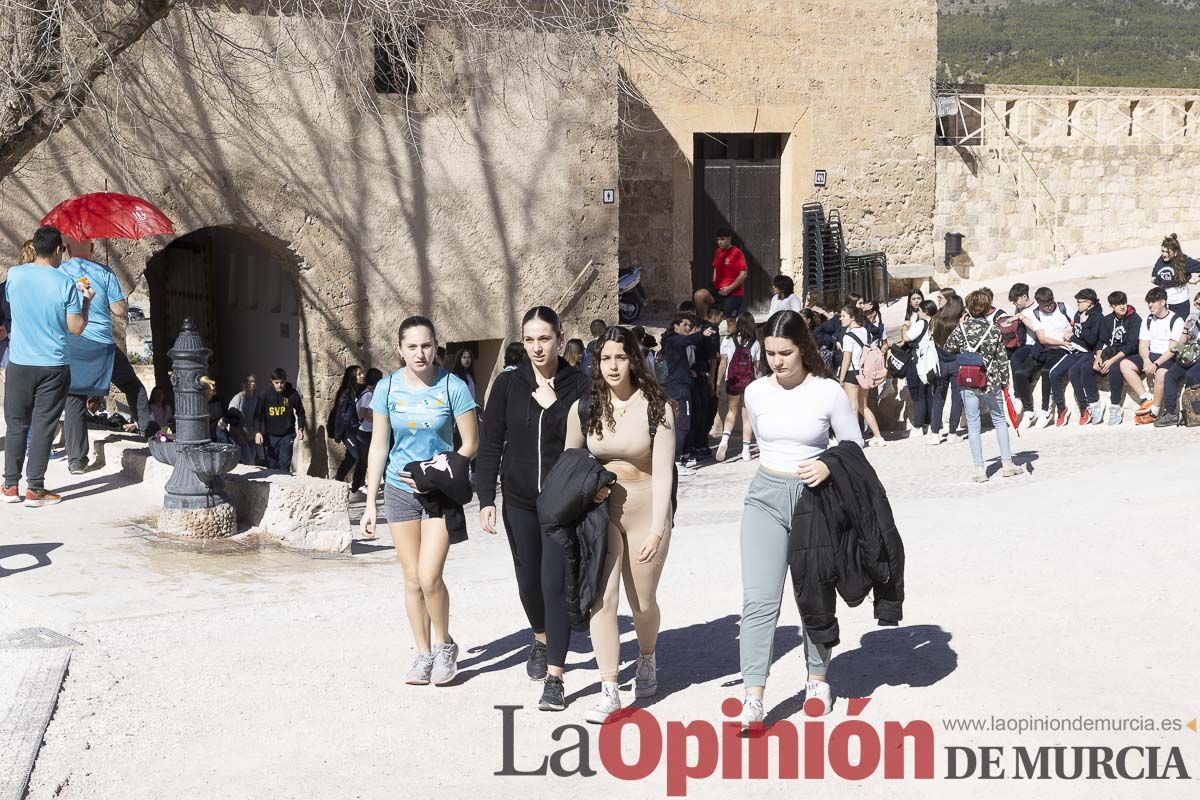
<point>1085,418</point>
<point>1063,415</point>
<point>12,494</point>
<point>38,499</point>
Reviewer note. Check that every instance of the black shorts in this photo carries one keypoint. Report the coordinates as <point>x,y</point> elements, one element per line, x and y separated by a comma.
<point>730,306</point>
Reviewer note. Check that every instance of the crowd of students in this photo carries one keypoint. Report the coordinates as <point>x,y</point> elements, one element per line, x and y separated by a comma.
<point>583,466</point>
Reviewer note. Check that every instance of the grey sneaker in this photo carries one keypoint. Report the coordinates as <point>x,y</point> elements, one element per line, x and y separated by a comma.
<point>1168,419</point>
<point>645,680</point>
<point>1115,415</point>
<point>610,701</point>
<point>445,663</point>
<point>752,711</point>
<point>419,672</point>
<point>1096,411</point>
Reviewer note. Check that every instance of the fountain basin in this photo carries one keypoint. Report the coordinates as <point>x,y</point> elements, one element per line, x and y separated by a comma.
<point>210,459</point>
<point>164,452</point>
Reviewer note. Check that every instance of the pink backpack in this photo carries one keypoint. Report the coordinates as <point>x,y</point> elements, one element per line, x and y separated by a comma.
<point>873,371</point>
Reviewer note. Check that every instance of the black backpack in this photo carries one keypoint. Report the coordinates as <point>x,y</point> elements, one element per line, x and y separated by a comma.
<point>585,400</point>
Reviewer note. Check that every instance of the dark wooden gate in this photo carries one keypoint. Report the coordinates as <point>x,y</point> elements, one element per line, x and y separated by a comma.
<point>180,283</point>
<point>737,186</point>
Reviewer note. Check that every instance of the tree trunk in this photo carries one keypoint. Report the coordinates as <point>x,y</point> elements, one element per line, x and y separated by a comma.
<point>69,98</point>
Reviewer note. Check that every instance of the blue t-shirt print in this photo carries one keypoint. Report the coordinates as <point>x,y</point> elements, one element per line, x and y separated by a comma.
<point>40,298</point>
<point>422,418</point>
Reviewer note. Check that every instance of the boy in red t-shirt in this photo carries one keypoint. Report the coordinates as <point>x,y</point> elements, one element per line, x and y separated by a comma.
<point>729,277</point>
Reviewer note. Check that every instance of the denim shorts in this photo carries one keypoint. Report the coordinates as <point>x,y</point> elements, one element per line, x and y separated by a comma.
<point>402,506</point>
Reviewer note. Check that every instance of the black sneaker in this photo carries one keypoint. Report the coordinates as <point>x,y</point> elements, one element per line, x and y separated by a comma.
<point>77,467</point>
<point>1168,419</point>
<point>553,695</point>
<point>535,667</point>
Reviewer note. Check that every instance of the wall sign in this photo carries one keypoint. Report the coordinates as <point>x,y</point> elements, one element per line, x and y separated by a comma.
<point>819,178</point>
<point>609,196</point>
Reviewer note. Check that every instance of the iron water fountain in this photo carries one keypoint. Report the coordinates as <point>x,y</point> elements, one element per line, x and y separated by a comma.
<point>194,505</point>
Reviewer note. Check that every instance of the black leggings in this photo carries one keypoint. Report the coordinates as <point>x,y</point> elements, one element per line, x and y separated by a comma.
<point>541,579</point>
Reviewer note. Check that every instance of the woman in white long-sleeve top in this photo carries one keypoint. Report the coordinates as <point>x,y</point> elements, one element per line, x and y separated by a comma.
<point>794,410</point>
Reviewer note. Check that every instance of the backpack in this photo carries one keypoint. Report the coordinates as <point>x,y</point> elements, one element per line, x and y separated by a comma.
<point>661,371</point>
<point>901,356</point>
<point>1010,331</point>
<point>343,419</point>
<point>873,370</point>
<point>585,401</point>
<point>1188,353</point>
<point>972,370</point>
<point>929,366</point>
<point>1189,406</point>
<point>741,370</point>
<point>1062,307</point>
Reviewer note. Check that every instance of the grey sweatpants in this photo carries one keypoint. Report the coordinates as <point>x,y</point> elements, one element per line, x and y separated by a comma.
<point>33,401</point>
<point>766,522</point>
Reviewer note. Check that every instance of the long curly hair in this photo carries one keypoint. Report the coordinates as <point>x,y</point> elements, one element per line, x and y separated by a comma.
<point>788,324</point>
<point>600,407</point>
<point>1177,263</point>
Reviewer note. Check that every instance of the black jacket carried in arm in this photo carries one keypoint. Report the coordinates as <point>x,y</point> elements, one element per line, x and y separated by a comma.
<point>521,441</point>
<point>569,514</point>
<point>281,413</point>
<point>1121,334</point>
<point>443,488</point>
<point>844,541</point>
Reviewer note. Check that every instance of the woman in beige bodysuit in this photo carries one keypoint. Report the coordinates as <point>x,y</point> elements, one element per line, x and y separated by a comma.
<point>626,405</point>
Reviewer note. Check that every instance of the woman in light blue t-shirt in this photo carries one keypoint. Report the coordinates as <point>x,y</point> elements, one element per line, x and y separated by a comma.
<point>414,411</point>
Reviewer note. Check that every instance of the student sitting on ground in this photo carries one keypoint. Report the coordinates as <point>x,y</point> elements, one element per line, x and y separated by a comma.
<point>1118,342</point>
<point>1077,364</point>
<point>1181,373</point>
<point>1050,324</point>
<point>1157,340</point>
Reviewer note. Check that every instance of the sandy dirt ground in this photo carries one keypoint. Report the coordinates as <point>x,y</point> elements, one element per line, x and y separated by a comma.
<point>1068,591</point>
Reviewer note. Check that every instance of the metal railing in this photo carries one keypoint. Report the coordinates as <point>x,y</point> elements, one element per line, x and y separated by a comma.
<point>1064,120</point>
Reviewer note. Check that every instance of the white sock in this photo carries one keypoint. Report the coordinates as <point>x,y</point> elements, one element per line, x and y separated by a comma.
<point>1154,410</point>
<point>1146,396</point>
<point>725,437</point>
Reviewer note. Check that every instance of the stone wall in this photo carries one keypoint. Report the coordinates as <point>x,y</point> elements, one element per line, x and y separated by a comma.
<point>469,213</point>
<point>847,82</point>
<point>1084,171</point>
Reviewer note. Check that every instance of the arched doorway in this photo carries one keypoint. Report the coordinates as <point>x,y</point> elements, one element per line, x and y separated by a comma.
<point>240,287</point>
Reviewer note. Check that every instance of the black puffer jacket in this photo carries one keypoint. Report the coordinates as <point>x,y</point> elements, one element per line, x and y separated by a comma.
<point>520,440</point>
<point>570,516</point>
<point>844,541</point>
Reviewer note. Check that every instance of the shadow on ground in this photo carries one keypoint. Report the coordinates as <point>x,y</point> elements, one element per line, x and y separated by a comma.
<point>39,552</point>
<point>916,656</point>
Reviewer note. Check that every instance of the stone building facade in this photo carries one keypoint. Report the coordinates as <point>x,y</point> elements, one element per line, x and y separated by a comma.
<point>1035,175</point>
<point>310,226</point>
<point>843,87</point>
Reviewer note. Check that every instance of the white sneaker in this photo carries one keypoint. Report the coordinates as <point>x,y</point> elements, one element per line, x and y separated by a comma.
<point>752,711</point>
<point>878,442</point>
<point>610,701</point>
<point>1045,419</point>
<point>1028,420</point>
<point>722,448</point>
<point>685,471</point>
<point>821,691</point>
<point>645,680</point>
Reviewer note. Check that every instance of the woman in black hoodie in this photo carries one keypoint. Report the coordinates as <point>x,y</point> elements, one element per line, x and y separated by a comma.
<point>524,428</point>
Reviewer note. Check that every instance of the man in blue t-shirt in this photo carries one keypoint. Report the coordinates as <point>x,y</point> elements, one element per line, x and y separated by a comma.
<point>47,306</point>
<point>91,353</point>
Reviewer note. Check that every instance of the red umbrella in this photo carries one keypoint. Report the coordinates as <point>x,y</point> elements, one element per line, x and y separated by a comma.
<point>108,215</point>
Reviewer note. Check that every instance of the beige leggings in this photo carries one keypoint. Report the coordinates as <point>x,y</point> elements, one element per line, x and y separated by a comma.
<point>629,525</point>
